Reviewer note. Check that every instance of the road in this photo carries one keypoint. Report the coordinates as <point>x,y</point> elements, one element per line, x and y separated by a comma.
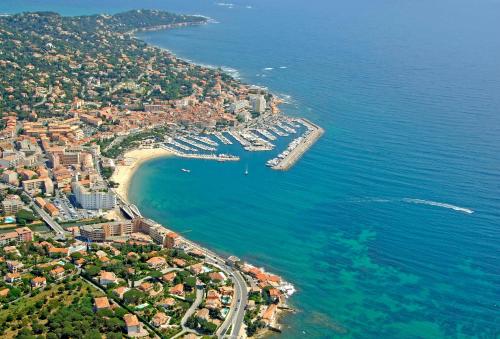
<point>48,220</point>
<point>236,313</point>
<point>190,312</point>
<point>193,308</point>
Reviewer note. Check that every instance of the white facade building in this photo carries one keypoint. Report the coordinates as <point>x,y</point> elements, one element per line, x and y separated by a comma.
<point>258,103</point>
<point>93,200</point>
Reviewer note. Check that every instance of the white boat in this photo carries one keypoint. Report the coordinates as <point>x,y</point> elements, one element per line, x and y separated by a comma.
<point>246,170</point>
<point>186,170</point>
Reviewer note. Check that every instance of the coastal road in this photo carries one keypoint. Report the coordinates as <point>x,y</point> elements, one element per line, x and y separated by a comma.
<point>236,313</point>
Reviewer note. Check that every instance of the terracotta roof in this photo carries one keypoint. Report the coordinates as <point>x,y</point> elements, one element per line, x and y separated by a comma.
<point>156,261</point>
<point>160,318</point>
<point>168,277</point>
<point>177,289</point>
<point>101,303</point>
<point>269,312</point>
<point>57,270</point>
<point>38,280</point>
<point>58,250</point>
<point>167,301</point>
<point>131,320</point>
<point>145,286</point>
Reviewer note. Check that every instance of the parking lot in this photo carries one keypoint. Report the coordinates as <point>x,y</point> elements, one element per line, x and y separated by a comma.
<point>67,212</point>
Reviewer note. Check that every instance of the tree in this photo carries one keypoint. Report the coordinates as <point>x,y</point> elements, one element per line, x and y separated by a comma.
<point>25,216</point>
<point>190,282</point>
<point>133,296</point>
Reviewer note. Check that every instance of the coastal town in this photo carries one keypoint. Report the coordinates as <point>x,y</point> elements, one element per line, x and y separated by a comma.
<point>83,103</point>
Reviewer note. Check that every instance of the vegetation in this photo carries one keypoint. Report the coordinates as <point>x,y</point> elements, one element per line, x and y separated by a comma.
<point>62,311</point>
<point>47,60</point>
<point>24,217</point>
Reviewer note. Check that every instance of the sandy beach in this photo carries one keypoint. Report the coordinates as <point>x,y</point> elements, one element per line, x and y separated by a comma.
<point>131,162</point>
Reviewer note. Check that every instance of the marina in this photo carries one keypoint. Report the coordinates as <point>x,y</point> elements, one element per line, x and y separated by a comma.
<point>286,159</point>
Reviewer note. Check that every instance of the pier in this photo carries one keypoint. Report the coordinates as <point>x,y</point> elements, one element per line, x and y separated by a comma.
<point>266,134</point>
<point>204,140</point>
<point>239,138</point>
<point>277,131</point>
<point>218,157</point>
<point>297,148</point>
<point>196,144</point>
<point>172,142</point>
<point>222,138</point>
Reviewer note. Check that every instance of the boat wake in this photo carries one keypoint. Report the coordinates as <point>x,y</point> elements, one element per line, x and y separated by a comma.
<point>415,201</point>
<point>438,204</point>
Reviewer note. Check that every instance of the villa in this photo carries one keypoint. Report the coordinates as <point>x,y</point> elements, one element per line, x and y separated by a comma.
<point>38,282</point>
<point>107,278</point>
<point>177,290</point>
<point>57,272</point>
<point>132,324</point>
<point>157,262</point>
<point>101,303</point>
<point>160,319</point>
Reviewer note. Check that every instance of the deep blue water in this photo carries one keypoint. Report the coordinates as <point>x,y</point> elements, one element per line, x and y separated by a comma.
<point>409,95</point>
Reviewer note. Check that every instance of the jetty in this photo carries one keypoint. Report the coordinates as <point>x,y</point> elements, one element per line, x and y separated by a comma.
<point>204,140</point>
<point>177,144</point>
<point>277,131</point>
<point>244,142</point>
<point>222,138</point>
<point>217,157</point>
<point>297,147</point>
<point>196,144</point>
<point>266,134</point>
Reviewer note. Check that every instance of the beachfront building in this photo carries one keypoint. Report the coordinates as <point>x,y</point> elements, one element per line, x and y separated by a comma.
<point>102,232</point>
<point>157,232</point>
<point>93,200</point>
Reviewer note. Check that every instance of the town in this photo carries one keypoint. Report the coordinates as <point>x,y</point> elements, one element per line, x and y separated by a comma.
<point>75,255</point>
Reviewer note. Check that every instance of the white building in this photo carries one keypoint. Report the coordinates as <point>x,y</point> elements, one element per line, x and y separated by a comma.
<point>258,103</point>
<point>238,106</point>
<point>93,200</point>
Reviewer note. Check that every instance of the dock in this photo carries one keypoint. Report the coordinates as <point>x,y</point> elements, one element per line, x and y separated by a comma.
<point>266,134</point>
<point>196,144</point>
<point>277,131</point>
<point>217,157</point>
<point>222,138</point>
<point>305,142</point>
<point>204,140</point>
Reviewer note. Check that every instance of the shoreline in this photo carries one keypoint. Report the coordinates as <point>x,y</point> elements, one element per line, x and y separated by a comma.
<point>132,160</point>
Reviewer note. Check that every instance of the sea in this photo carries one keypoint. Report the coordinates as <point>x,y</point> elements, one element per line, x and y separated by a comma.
<point>389,227</point>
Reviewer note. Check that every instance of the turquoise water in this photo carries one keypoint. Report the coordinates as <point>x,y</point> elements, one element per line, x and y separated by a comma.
<point>371,225</point>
